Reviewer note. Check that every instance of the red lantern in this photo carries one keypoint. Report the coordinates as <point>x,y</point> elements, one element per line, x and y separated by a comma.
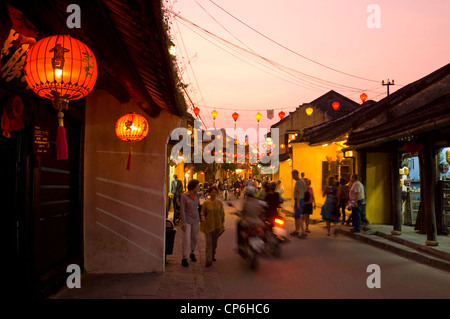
<point>235,116</point>
<point>335,105</point>
<point>196,111</point>
<point>61,68</point>
<point>412,148</point>
<point>281,115</point>
<point>131,128</point>
<point>363,97</point>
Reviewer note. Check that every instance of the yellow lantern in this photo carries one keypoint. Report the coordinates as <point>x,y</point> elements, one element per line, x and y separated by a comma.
<point>258,116</point>
<point>214,115</point>
<point>309,111</point>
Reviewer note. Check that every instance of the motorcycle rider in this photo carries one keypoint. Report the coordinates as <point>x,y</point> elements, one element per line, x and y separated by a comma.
<point>252,214</point>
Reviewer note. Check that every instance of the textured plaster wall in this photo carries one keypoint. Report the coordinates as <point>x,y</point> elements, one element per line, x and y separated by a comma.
<point>124,211</point>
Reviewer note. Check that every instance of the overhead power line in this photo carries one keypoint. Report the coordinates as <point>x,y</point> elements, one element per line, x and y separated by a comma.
<point>320,82</point>
<point>290,50</point>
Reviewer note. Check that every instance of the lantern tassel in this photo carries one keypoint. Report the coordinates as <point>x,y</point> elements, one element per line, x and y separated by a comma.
<point>129,161</point>
<point>62,152</point>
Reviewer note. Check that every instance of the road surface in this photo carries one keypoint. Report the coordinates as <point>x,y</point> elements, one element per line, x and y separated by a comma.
<point>323,267</point>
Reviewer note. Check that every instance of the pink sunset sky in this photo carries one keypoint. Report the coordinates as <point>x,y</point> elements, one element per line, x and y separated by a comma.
<point>413,40</point>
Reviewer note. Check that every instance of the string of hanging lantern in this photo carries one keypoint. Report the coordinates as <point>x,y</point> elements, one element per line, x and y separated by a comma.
<point>309,110</point>
<point>363,98</point>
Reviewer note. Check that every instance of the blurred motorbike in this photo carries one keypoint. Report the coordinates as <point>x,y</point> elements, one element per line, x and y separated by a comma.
<point>263,237</point>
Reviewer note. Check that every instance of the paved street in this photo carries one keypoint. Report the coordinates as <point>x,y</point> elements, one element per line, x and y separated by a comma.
<point>319,267</point>
<point>323,267</point>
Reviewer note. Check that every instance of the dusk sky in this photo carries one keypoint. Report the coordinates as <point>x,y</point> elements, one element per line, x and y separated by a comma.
<point>413,40</point>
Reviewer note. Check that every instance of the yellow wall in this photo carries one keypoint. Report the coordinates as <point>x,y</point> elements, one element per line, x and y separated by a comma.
<point>378,188</point>
<point>308,159</point>
<point>285,176</point>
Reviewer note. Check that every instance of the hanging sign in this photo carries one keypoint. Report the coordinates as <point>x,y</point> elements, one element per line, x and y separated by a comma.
<point>12,57</point>
<point>41,140</point>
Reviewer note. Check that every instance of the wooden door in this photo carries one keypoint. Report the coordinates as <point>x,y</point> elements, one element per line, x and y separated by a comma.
<point>57,203</point>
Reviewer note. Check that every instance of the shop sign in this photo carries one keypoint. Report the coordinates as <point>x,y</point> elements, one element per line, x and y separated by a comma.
<point>13,56</point>
<point>41,140</point>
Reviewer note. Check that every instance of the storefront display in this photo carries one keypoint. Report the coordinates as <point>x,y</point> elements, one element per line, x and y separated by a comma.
<point>410,184</point>
<point>444,160</point>
<point>443,211</point>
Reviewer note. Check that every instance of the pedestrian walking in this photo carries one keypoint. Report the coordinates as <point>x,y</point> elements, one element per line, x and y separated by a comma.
<point>299,203</point>
<point>356,202</point>
<point>213,224</point>
<point>226,188</point>
<point>330,212</point>
<point>176,189</point>
<point>280,190</point>
<point>310,204</point>
<point>343,197</point>
<point>190,219</point>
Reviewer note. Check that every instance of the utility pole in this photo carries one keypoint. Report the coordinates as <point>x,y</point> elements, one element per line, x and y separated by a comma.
<point>388,84</point>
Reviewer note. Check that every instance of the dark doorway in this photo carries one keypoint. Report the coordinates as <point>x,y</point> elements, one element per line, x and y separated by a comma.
<point>43,200</point>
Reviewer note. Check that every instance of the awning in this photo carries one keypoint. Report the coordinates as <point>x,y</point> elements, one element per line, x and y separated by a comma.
<point>432,116</point>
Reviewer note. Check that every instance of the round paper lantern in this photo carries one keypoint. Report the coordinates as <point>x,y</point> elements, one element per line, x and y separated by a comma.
<point>61,68</point>
<point>281,115</point>
<point>235,116</point>
<point>196,111</point>
<point>335,105</point>
<point>131,128</point>
<point>258,116</point>
<point>363,97</point>
<point>309,111</point>
<point>214,114</point>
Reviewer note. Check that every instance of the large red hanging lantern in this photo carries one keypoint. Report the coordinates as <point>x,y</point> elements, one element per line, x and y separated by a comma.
<point>131,128</point>
<point>61,69</point>
<point>281,115</point>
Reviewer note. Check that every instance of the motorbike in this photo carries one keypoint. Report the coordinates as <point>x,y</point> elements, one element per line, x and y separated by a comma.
<point>264,238</point>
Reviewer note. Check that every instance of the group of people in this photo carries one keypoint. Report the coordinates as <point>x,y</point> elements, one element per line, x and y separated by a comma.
<point>339,196</point>
<point>209,217</point>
